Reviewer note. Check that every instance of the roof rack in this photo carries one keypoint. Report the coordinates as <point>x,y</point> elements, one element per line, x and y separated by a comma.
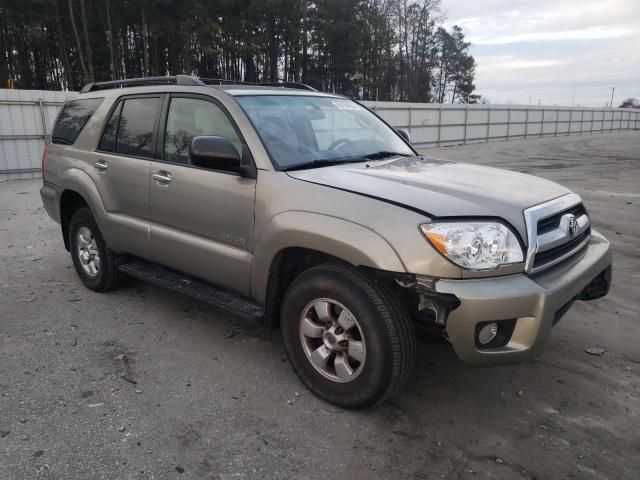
<point>222,81</point>
<point>144,81</point>
<point>185,80</point>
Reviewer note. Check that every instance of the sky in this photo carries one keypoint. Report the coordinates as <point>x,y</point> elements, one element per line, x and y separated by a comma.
<point>554,52</point>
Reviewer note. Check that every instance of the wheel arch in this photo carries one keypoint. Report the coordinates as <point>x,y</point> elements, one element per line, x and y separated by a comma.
<point>78,190</point>
<point>297,241</point>
<point>70,202</point>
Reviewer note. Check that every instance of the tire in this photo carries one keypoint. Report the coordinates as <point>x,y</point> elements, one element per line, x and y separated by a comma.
<point>103,277</point>
<point>383,336</point>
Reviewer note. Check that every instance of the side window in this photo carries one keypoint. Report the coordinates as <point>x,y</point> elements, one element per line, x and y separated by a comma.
<point>72,119</point>
<point>131,126</point>
<point>135,130</point>
<point>191,117</point>
<point>108,141</point>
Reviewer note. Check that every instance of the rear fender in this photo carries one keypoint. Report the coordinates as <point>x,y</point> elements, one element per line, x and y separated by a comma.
<point>76,180</point>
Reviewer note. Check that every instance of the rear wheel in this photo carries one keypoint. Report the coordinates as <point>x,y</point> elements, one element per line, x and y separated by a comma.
<point>92,259</point>
<point>348,338</point>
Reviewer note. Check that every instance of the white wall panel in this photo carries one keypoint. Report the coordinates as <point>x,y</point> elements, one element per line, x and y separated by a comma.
<point>26,118</point>
<point>499,122</point>
<point>22,136</point>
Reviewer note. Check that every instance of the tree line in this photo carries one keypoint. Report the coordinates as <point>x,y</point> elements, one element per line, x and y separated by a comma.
<point>368,49</point>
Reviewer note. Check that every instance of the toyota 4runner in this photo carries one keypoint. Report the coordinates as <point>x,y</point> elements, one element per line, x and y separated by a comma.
<point>307,211</point>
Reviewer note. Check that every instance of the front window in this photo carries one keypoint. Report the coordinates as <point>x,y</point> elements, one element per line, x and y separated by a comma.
<point>192,117</point>
<point>301,130</point>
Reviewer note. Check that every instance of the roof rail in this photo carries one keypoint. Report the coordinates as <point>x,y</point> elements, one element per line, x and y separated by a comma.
<point>144,81</point>
<point>222,81</point>
<point>185,80</point>
<point>300,85</point>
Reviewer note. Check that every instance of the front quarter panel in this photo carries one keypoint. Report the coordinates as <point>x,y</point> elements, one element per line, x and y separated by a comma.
<point>326,234</point>
<point>357,229</point>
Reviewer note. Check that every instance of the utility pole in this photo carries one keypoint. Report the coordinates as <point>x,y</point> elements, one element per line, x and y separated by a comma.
<point>613,89</point>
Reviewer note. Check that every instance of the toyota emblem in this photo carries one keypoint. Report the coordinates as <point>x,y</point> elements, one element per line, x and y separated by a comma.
<point>572,227</point>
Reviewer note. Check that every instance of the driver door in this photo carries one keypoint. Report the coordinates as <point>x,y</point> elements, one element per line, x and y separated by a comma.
<point>201,220</point>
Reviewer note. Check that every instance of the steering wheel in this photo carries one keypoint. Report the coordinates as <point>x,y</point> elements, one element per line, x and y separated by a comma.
<point>338,143</point>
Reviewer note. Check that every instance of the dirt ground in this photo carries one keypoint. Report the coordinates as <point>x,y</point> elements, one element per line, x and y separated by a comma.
<point>214,397</point>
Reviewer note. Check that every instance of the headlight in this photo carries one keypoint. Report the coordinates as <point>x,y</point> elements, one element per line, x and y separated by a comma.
<point>474,245</point>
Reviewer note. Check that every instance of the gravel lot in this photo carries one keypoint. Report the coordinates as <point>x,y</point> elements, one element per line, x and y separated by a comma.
<point>216,399</point>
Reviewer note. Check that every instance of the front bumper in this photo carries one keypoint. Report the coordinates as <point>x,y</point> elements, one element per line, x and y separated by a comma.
<point>534,302</point>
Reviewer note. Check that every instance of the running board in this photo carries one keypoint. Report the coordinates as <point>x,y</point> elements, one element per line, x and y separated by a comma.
<point>165,277</point>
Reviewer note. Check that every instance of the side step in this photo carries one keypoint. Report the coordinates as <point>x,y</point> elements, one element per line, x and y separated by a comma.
<point>165,277</point>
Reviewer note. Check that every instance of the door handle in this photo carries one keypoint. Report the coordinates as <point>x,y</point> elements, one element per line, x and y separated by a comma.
<point>101,165</point>
<point>163,178</point>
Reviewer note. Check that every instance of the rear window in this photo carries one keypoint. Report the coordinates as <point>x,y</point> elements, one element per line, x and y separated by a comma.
<point>130,129</point>
<point>72,119</point>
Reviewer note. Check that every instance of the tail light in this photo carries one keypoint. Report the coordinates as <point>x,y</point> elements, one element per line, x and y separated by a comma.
<point>44,159</point>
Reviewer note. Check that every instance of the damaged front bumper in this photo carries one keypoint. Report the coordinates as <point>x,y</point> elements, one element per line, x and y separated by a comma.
<point>524,307</point>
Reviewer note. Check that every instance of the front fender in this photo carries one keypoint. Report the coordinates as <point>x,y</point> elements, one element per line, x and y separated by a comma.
<point>351,242</point>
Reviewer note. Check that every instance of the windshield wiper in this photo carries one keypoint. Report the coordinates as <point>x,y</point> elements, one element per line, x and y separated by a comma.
<point>335,161</point>
<point>384,154</point>
<point>321,163</point>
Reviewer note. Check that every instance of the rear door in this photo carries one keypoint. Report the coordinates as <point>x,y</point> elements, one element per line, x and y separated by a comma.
<point>121,167</point>
<point>201,220</point>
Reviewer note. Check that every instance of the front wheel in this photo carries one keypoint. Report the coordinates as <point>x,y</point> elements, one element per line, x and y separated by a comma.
<point>348,338</point>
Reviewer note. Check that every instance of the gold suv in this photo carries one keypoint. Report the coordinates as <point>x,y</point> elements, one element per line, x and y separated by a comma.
<point>307,211</point>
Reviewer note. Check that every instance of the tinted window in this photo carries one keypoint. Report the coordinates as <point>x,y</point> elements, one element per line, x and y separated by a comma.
<point>190,117</point>
<point>136,126</point>
<point>108,142</point>
<point>72,119</point>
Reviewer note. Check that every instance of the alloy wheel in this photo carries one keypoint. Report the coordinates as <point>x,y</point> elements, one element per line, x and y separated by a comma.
<point>88,252</point>
<point>332,340</point>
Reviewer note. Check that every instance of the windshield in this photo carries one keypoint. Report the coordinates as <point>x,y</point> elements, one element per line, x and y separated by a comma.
<point>297,130</point>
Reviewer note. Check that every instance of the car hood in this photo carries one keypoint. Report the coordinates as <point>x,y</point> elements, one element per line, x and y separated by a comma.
<point>439,188</point>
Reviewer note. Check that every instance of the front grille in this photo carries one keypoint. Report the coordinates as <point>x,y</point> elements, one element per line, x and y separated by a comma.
<point>556,230</point>
<point>551,223</point>
<point>549,256</point>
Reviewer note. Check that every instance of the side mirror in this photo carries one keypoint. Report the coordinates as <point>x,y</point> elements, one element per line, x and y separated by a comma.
<point>404,134</point>
<point>214,153</point>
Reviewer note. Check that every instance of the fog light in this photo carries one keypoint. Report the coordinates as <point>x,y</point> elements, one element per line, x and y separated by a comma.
<point>488,333</point>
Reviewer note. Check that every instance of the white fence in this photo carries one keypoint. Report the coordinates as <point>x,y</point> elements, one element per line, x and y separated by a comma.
<point>26,121</point>
<point>26,118</point>
<point>432,125</point>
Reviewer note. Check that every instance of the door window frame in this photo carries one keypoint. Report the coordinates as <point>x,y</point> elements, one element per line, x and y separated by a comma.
<point>162,130</point>
<point>154,139</point>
